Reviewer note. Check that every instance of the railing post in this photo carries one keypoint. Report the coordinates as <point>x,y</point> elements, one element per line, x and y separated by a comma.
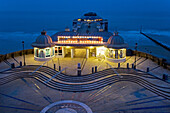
<point>95,69</point>
<point>20,63</point>
<point>54,67</point>
<point>59,68</point>
<point>165,77</point>
<point>147,70</point>
<point>12,65</point>
<point>132,66</point>
<point>78,69</point>
<point>127,65</point>
<point>158,62</point>
<point>118,65</point>
<point>92,69</point>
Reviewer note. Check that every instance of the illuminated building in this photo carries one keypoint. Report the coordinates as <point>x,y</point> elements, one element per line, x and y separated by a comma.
<point>90,18</point>
<point>43,47</point>
<point>116,49</point>
<point>87,39</point>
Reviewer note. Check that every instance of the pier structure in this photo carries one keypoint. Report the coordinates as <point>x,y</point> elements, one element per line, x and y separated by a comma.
<point>85,40</point>
<point>78,71</point>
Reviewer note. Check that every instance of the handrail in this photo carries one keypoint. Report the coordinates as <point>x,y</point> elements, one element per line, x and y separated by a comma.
<point>39,67</point>
<point>114,70</point>
<point>55,75</point>
<point>100,63</point>
<point>82,63</point>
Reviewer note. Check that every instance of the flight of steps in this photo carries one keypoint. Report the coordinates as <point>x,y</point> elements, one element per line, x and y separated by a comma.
<point>136,77</point>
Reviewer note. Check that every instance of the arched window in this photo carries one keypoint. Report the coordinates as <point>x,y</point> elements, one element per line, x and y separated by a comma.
<point>36,52</point>
<point>47,52</point>
<point>116,54</point>
<point>121,54</point>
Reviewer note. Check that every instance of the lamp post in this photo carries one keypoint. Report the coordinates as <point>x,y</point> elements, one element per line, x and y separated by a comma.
<point>23,53</point>
<point>135,54</point>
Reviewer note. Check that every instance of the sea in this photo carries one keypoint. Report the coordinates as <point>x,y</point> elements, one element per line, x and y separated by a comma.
<point>16,27</point>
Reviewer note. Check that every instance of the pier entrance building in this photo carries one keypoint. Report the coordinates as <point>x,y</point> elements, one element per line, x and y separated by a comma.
<point>89,37</point>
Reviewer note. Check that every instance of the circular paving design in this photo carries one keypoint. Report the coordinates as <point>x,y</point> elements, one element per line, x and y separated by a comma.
<point>66,110</point>
<point>67,106</point>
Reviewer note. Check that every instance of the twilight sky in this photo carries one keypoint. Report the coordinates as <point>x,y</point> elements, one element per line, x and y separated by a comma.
<point>122,6</point>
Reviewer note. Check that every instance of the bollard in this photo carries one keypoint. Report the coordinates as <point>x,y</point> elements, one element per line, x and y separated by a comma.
<point>165,77</point>
<point>127,65</point>
<point>147,70</point>
<point>54,67</point>
<point>118,65</point>
<point>165,65</point>
<point>146,56</point>
<point>12,65</point>
<point>132,66</point>
<point>78,69</point>
<point>158,62</point>
<point>20,64</point>
<point>95,69</point>
<point>59,68</point>
<point>92,69</point>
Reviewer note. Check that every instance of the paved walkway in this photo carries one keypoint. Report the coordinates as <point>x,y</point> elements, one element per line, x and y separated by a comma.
<point>31,96</point>
<point>71,64</point>
<point>28,95</point>
<point>91,82</point>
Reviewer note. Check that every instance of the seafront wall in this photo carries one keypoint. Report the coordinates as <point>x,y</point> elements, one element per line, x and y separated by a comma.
<point>15,54</point>
<point>159,61</point>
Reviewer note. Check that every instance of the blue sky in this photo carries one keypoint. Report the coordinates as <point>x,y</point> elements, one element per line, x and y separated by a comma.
<point>125,6</point>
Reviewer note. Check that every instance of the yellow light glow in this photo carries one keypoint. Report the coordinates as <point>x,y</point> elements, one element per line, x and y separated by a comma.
<point>91,47</point>
<point>82,39</point>
<point>101,50</point>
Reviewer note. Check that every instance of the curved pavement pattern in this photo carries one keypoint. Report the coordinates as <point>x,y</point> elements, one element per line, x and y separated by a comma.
<point>88,82</point>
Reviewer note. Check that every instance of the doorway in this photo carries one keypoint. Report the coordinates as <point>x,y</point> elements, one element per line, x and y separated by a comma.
<point>80,53</point>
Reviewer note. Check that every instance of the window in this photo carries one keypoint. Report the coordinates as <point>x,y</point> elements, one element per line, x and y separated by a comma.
<point>58,50</point>
<point>53,51</point>
<point>121,54</point>
<point>36,52</point>
<point>116,54</point>
<point>47,53</point>
<point>111,54</point>
<point>41,55</point>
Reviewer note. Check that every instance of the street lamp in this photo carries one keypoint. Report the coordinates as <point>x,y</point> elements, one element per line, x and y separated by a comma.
<point>23,53</point>
<point>135,54</point>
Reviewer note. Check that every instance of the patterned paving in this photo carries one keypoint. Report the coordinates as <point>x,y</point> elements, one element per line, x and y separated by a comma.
<point>104,91</point>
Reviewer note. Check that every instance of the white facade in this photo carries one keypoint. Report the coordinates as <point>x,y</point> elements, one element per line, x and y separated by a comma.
<point>43,54</point>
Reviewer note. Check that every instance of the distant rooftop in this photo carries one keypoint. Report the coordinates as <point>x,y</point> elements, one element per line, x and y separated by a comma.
<point>90,14</point>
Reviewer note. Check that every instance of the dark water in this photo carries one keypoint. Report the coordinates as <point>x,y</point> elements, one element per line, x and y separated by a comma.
<point>36,21</point>
<point>18,26</point>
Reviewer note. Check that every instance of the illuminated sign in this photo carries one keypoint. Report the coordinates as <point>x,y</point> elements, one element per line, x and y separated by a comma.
<point>80,39</point>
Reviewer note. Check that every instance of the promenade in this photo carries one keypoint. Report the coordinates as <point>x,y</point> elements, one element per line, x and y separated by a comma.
<point>105,91</point>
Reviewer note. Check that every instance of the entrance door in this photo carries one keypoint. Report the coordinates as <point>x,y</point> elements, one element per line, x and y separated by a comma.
<point>80,53</point>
